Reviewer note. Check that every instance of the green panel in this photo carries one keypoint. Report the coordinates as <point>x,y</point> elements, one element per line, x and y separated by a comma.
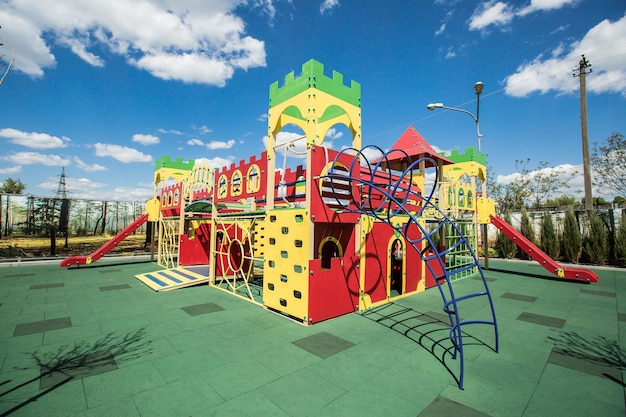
<point>461,256</point>
<point>166,162</point>
<point>313,77</point>
<point>294,112</point>
<point>332,112</point>
<point>471,154</point>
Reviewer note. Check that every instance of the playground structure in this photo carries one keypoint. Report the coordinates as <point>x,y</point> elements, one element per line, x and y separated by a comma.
<point>343,232</point>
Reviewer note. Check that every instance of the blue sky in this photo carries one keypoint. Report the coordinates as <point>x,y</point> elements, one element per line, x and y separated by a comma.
<point>105,87</point>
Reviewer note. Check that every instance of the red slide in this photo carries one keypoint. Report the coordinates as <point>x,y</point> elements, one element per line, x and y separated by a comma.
<point>552,266</point>
<point>106,248</point>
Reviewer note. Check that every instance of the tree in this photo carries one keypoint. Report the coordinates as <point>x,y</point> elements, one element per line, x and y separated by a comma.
<point>546,181</point>
<point>562,201</point>
<point>571,240</point>
<point>549,242</point>
<point>526,229</point>
<point>11,186</point>
<point>511,195</point>
<point>608,160</point>
<point>530,187</point>
<point>596,243</point>
<point>620,242</point>
<point>506,247</point>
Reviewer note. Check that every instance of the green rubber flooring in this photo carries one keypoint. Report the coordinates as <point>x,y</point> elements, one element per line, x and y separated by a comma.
<point>95,341</point>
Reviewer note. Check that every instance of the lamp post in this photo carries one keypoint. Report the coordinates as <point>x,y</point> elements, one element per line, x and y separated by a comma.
<point>478,89</point>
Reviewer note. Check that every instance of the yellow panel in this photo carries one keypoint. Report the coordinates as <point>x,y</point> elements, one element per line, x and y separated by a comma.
<point>286,279</point>
<point>153,207</point>
<point>485,208</point>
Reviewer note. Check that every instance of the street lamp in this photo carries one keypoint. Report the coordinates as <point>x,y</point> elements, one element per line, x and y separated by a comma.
<point>478,89</point>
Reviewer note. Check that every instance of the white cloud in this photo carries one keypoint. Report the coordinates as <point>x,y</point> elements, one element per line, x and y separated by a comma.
<point>88,168</point>
<point>204,129</point>
<point>491,13</point>
<point>216,162</point>
<point>133,193</point>
<point>184,40</point>
<point>79,47</point>
<point>333,134</point>
<point>31,158</point>
<point>195,142</point>
<point>216,144</point>
<point>24,36</point>
<point>12,170</point>
<point>500,13</point>
<point>34,140</point>
<point>572,173</point>
<point>543,5</point>
<point>604,46</point>
<point>146,139</point>
<point>121,153</point>
<point>170,131</point>
<point>328,5</point>
<point>297,146</point>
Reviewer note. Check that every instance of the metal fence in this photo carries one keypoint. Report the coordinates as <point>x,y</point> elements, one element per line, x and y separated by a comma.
<point>37,216</point>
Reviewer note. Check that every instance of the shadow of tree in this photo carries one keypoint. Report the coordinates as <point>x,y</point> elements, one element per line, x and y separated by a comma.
<point>429,330</point>
<point>600,350</point>
<point>81,360</point>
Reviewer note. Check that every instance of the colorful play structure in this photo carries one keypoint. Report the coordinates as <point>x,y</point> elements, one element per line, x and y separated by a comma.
<point>343,232</point>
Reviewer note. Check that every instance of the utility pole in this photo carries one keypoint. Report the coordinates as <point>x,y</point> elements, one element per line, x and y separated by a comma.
<point>584,68</point>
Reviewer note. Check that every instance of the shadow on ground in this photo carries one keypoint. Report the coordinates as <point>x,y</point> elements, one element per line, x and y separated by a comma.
<point>78,361</point>
<point>430,330</point>
<point>599,353</point>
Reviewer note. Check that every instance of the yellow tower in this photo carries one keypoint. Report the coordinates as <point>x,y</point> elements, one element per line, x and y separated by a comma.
<point>314,102</point>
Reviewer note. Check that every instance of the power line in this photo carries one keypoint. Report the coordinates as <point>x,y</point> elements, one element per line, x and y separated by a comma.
<point>518,83</point>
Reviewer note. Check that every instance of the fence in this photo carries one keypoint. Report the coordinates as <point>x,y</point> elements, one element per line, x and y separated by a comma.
<point>36,215</point>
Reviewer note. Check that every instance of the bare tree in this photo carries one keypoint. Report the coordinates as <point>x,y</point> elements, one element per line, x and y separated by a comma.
<point>532,187</point>
<point>608,160</point>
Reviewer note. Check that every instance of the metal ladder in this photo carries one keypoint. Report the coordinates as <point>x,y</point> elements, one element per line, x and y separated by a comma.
<point>385,194</point>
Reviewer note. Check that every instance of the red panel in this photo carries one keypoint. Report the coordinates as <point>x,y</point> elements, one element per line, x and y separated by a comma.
<point>243,167</point>
<point>376,262</point>
<point>195,251</point>
<point>171,200</point>
<point>335,291</point>
<point>319,209</point>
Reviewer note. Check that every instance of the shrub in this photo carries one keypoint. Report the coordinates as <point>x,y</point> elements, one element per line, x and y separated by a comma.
<point>596,243</point>
<point>506,247</point>
<point>620,242</point>
<point>549,240</point>
<point>526,229</point>
<point>571,240</point>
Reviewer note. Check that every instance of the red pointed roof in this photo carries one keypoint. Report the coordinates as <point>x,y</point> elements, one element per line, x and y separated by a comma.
<point>416,146</point>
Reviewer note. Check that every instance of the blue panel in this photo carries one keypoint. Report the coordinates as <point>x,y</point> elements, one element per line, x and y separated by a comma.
<point>171,278</point>
<point>186,275</point>
<point>155,280</point>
